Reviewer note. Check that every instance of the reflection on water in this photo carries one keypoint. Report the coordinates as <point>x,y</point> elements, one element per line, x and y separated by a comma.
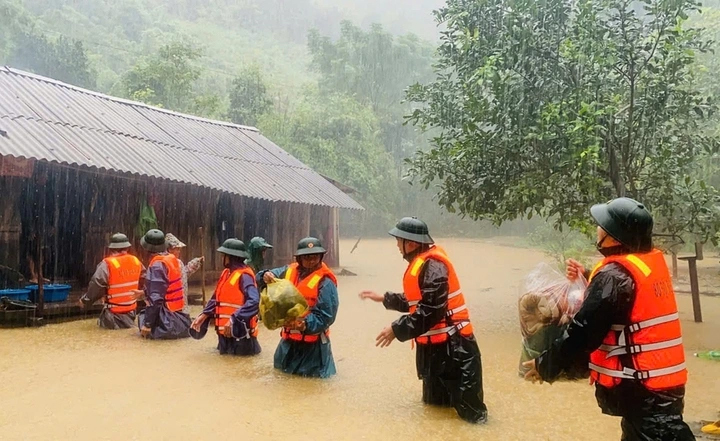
<point>73,381</point>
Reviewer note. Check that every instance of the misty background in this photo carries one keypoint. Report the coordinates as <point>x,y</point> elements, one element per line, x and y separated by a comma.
<point>324,79</point>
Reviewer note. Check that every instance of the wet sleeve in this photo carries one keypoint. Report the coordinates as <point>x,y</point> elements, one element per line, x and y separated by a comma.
<point>156,285</point>
<point>209,308</point>
<point>278,272</point>
<point>323,314</point>
<point>396,302</point>
<point>193,266</point>
<point>141,281</point>
<point>97,288</point>
<point>250,308</point>
<point>432,306</point>
<point>608,297</point>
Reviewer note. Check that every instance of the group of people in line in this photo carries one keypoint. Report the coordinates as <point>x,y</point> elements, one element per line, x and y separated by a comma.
<point>628,329</point>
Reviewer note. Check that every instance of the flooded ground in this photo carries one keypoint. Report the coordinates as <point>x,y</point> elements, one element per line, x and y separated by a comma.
<point>74,381</point>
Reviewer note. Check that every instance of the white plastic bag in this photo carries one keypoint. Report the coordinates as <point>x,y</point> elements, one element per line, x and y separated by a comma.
<point>548,302</point>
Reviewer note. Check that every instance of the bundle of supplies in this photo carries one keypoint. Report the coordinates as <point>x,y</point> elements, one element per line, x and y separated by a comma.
<point>280,303</point>
<point>547,304</point>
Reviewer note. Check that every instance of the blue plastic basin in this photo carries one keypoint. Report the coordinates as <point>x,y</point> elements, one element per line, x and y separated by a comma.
<point>51,293</point>
<point>15,294</point>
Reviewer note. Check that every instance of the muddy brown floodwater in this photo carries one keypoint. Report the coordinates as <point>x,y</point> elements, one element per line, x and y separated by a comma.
<point>74,381</point>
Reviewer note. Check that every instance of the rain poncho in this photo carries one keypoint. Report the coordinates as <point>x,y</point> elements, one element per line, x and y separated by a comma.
<point>451,371</point>
<point>97,289</point>
<point>280,302</point>
<point>309,359</point>
<point>257,260</point>
<point>646,415</point>
<point>241,343</point>
<point>147,219</point>
<point>165,325</point>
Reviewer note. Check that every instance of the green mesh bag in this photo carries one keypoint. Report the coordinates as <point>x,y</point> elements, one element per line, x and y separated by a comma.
<point>281,302</point>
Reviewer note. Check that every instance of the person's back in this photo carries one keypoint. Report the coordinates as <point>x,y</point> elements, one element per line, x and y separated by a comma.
<point>163,317</point>
<point>115,281</point>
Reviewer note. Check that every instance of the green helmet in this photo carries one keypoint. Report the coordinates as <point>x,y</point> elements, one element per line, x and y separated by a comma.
<point>413,229</point>
<point>627,221</point>
<point>119,241</point>
<point>154,241</point>
<point>258,242</point>
<point>234,247</point>
<point>309,245</point>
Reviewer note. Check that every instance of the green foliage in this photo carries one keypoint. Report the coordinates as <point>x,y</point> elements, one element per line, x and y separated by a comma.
<point>248,97</point>
<point>338,137</point>
<point>563,245</point>
<point>375,67</point>
<point>166,79</point>
<point>547,107</point>
<point>60,59</point>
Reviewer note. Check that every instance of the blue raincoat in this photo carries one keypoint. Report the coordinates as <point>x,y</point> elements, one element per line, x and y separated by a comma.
<point>165,325</point>
<point>241,343</point>
<point>303,358</point>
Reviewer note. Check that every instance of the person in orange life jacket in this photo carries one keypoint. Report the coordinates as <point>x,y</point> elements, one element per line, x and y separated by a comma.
<point>234,305</point>
<point>163,318</point>
<point>175,247</point>
<point>448,358</point>
<point>628,329</point>
<point>115,280</point>
<point>304,348</point>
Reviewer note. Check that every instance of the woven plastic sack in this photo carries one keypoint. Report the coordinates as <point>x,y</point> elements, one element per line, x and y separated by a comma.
<point>281,302</point>
<point>548,302</point>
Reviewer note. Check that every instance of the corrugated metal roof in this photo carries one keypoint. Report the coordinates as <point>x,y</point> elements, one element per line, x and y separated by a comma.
<point>52,121</point>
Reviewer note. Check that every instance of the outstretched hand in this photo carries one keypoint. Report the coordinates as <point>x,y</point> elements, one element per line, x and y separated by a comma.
<point>385,337</point>
<point>371,295</point>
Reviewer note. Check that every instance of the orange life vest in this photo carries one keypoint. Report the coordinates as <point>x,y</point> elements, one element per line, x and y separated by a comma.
<point>308,287</point>
<point>174,300</point>
<point>229,297</point>
<point>123,277</point>
<point>652,340</point>
<point>457,317</point>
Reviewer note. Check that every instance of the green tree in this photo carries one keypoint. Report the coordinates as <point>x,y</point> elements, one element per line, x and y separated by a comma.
<point>248,97</point>
<point>166,79</point>
<point>339,137</point>
<point>61,59</point>
<point>547,107</point>
<point>375,67</point>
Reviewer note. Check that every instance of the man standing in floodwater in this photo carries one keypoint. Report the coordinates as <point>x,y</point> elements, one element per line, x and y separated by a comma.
<point>163,318</point>
<point>630,328</point>
<point>305,348</point>
<point>115,280</point>
<point>234,304</point>
<point>448,358</point>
